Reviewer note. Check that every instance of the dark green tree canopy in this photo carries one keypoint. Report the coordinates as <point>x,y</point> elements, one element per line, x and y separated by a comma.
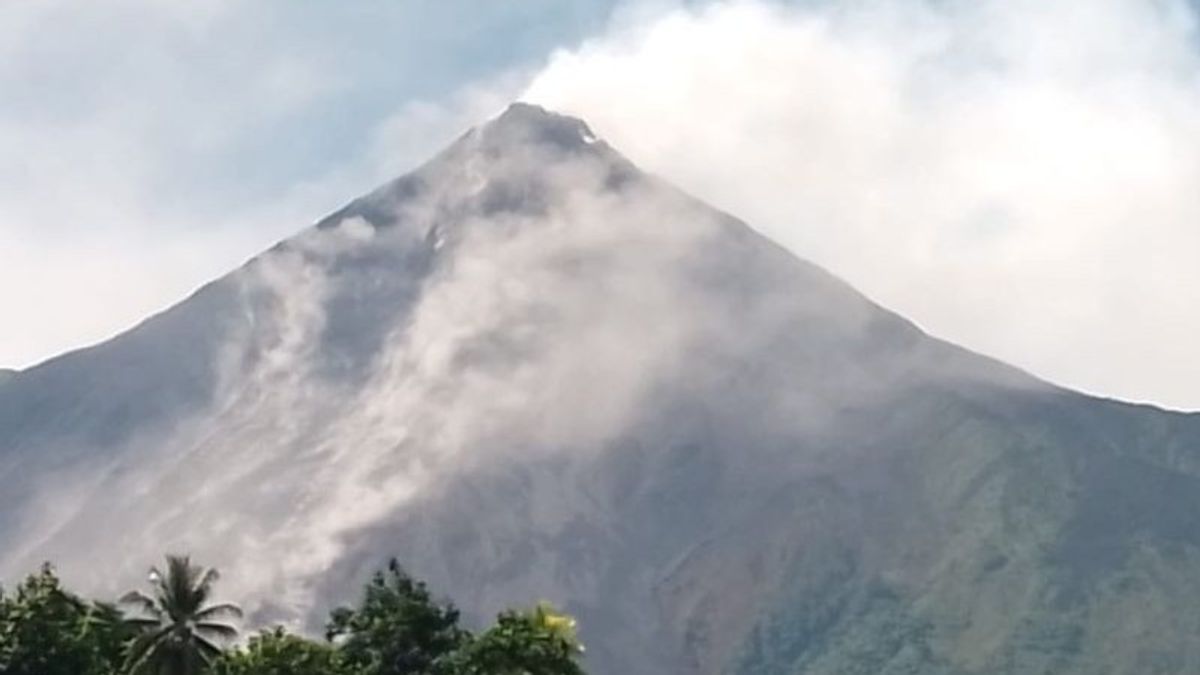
<point>277,652</point>
<point>537,642</point>
<point>398,629</point>
<point>46,630</point>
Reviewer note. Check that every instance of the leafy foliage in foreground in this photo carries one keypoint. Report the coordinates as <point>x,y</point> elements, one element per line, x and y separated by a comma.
<point>398,628</point>
<point>47,630</point>
<point>538,642</point>
<point>277,652</point>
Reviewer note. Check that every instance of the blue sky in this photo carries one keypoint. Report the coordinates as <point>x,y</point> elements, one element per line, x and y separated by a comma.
<point>277,92</point>
<point>140,139</point>
<point>1014,175</point>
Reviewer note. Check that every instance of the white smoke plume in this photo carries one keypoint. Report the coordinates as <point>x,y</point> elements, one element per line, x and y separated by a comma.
<point>369,362</point>
<point>1018,177</point>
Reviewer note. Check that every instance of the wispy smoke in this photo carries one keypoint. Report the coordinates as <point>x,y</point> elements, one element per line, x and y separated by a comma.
<point>1016,176</point>
<point>521,302</point>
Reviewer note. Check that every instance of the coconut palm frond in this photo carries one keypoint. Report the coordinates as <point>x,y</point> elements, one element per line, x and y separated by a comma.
<point>179,633</point>
<point>142,602</point>
<point>142,650</point>
<point>222,631</point>
<point>225,609</point>
<point>143,623</point>
<point>204,582</point>
<point>208,651</point>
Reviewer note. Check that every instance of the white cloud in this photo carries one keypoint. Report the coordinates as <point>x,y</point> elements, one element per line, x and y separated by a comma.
<point>110,116</point>
<point>1018,177</point>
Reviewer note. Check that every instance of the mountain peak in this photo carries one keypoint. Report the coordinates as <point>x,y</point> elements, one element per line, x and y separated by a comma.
<point>523,123</point>
<point>507,164</point>
<point>526,113</point>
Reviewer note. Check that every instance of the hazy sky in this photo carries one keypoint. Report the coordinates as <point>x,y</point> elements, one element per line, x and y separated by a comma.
<point>1016,176</point>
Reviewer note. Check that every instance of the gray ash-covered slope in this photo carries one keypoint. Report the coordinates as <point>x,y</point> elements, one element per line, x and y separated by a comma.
<point>532,371</point>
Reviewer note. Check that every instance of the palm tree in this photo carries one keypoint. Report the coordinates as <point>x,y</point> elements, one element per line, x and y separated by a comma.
<point>180,633</point>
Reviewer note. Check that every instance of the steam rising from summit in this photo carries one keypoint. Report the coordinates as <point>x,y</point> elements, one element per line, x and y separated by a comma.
<point>530,370</point>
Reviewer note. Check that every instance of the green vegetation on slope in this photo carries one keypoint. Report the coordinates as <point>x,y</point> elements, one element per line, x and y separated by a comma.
<point>1065,544</point>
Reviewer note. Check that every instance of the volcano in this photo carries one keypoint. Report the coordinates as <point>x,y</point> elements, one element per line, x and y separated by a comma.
<point>530,370</point>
